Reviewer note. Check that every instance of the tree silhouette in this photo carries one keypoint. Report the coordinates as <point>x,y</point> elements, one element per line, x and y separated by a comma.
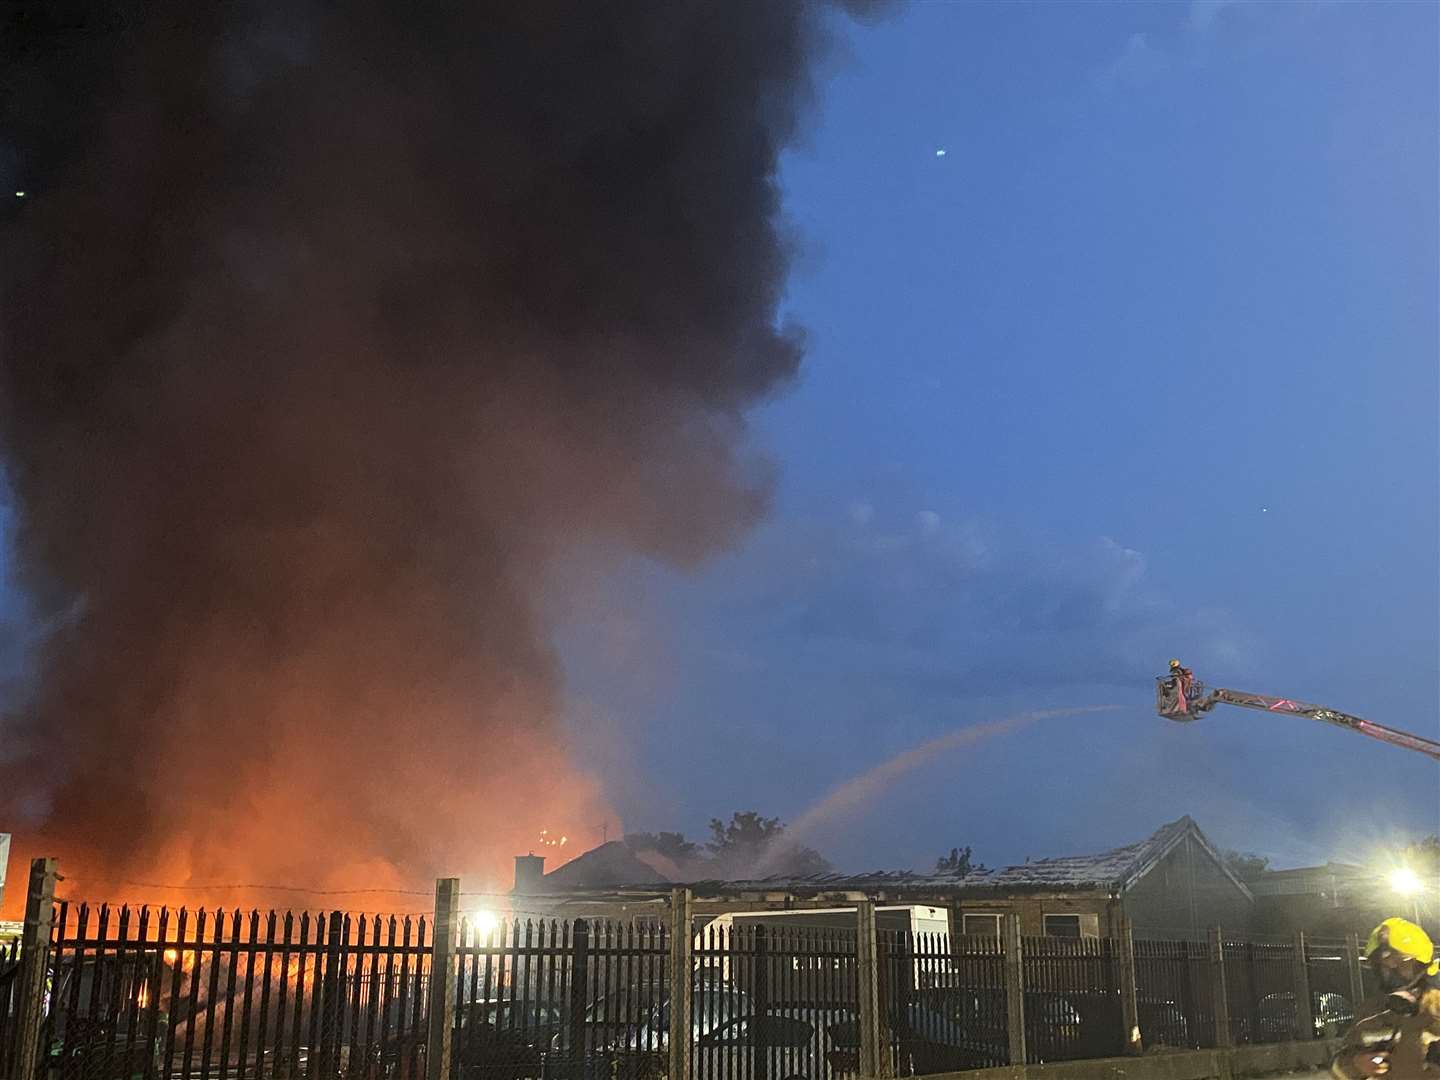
<point>672,845</point>
<point>746,831</point>
<point>737,848</point>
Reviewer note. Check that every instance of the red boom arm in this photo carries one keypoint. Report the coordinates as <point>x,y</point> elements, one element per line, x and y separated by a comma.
<point>1187,702</point>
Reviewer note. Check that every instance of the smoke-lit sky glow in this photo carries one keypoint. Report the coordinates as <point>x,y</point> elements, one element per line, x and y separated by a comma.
<point>328,334</point>
<point>495,460</point>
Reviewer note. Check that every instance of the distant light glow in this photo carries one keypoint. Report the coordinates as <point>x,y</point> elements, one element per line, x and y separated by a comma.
<point>19,194</point>
<point>1405,881</point>
<point>484,922</point>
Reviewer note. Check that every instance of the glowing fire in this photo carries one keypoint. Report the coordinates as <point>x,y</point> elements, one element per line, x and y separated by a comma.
<point>356,872</point>
<point>183,959</point>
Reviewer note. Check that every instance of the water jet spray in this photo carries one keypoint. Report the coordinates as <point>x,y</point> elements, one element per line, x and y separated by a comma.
<point>855,792</point>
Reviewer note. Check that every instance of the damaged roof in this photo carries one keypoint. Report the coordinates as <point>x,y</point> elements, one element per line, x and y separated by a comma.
<point>1118,869</point>
<point>1114,870</point>
<point>603,867</point>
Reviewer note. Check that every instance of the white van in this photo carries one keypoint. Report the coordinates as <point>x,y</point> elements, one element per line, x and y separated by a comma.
<point>713,964</point>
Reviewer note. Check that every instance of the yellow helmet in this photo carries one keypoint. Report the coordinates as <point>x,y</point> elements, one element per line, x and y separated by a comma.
<point>1406,938</point>
<point>1174,664</point>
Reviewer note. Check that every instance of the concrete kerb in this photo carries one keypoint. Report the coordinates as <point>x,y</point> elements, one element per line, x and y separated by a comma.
<point>1240,1062</point>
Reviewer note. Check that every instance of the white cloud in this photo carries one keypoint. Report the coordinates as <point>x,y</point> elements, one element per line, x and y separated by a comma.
<point>951,606</point>
<point>1142,60</point>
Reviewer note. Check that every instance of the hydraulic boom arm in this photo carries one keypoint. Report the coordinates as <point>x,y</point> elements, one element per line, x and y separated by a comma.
<point>1179,697</point>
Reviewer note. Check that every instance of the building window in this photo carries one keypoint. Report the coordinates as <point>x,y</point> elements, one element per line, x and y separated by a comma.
<point>1067,926</point>
<point>981,926</point>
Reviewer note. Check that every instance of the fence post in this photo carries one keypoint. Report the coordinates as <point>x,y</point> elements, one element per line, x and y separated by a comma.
<point>1352,965</point>
<point>682,981</point>
<point>34,965</point>
<point>579,988</point>
<point>442,978</point>
<point>760,1001</point>
<point>1251,983</point>
<point>895,961</point>
<point>328,983</point>
<point>1304,1013</point>
<point>1218,990</point>
<point>1014,989</point>
<point>867,974</point>
<point>1129,995</point>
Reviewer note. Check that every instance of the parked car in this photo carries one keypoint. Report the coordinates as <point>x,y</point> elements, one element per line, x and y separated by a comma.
<point>503,1040</point>
<point>631,1041</point>
<point>613,1019</point>
<point>710,1007</point>
<point>931,1042</point>
<point>100,1013</point>
<point>1334,1014</point>
<point>293,1063</point>
<point>786,1043</point>
<point>1331,1014</point>
<point>1163,1023</point>
<point>1058,1026</point>
<point>936,1030</point>
<point>1055,1027</point>
<point>927,1039</point>
<point>494,1039</point>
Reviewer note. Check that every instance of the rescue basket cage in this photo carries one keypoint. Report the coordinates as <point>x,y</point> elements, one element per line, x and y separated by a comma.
<point>1168,699</point>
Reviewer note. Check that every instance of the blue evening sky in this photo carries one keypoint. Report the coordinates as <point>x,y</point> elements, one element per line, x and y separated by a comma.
<point>1144,365</point>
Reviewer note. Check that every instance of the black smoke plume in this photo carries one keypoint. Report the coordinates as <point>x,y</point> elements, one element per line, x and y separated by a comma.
<point>327,330</point>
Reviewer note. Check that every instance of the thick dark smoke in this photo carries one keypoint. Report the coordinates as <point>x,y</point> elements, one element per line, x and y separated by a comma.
<point>328,329</point>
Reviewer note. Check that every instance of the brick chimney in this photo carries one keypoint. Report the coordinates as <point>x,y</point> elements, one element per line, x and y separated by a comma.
<point>529,873</point>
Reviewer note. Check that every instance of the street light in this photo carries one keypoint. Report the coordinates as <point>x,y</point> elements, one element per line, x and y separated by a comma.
<point>1407,883</point>
<point>484,923</point>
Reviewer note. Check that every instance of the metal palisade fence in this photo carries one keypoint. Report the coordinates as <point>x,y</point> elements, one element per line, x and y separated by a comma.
<point>945,1005</point>
<point>159,993</point>
<point>1175,993</point>
<point>9,968</point>
<point>151,993</point>
<point>774,1002</point>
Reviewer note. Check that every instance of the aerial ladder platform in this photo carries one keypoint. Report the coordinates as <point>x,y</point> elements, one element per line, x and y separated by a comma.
<point>1180,697</point>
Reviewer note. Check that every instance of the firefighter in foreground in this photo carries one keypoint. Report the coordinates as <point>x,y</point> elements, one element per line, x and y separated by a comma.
<point>1402,1039</point>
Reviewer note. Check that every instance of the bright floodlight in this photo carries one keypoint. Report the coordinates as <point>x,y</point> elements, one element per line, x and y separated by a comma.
<point>1405,881</point>
<point>484,922</point>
